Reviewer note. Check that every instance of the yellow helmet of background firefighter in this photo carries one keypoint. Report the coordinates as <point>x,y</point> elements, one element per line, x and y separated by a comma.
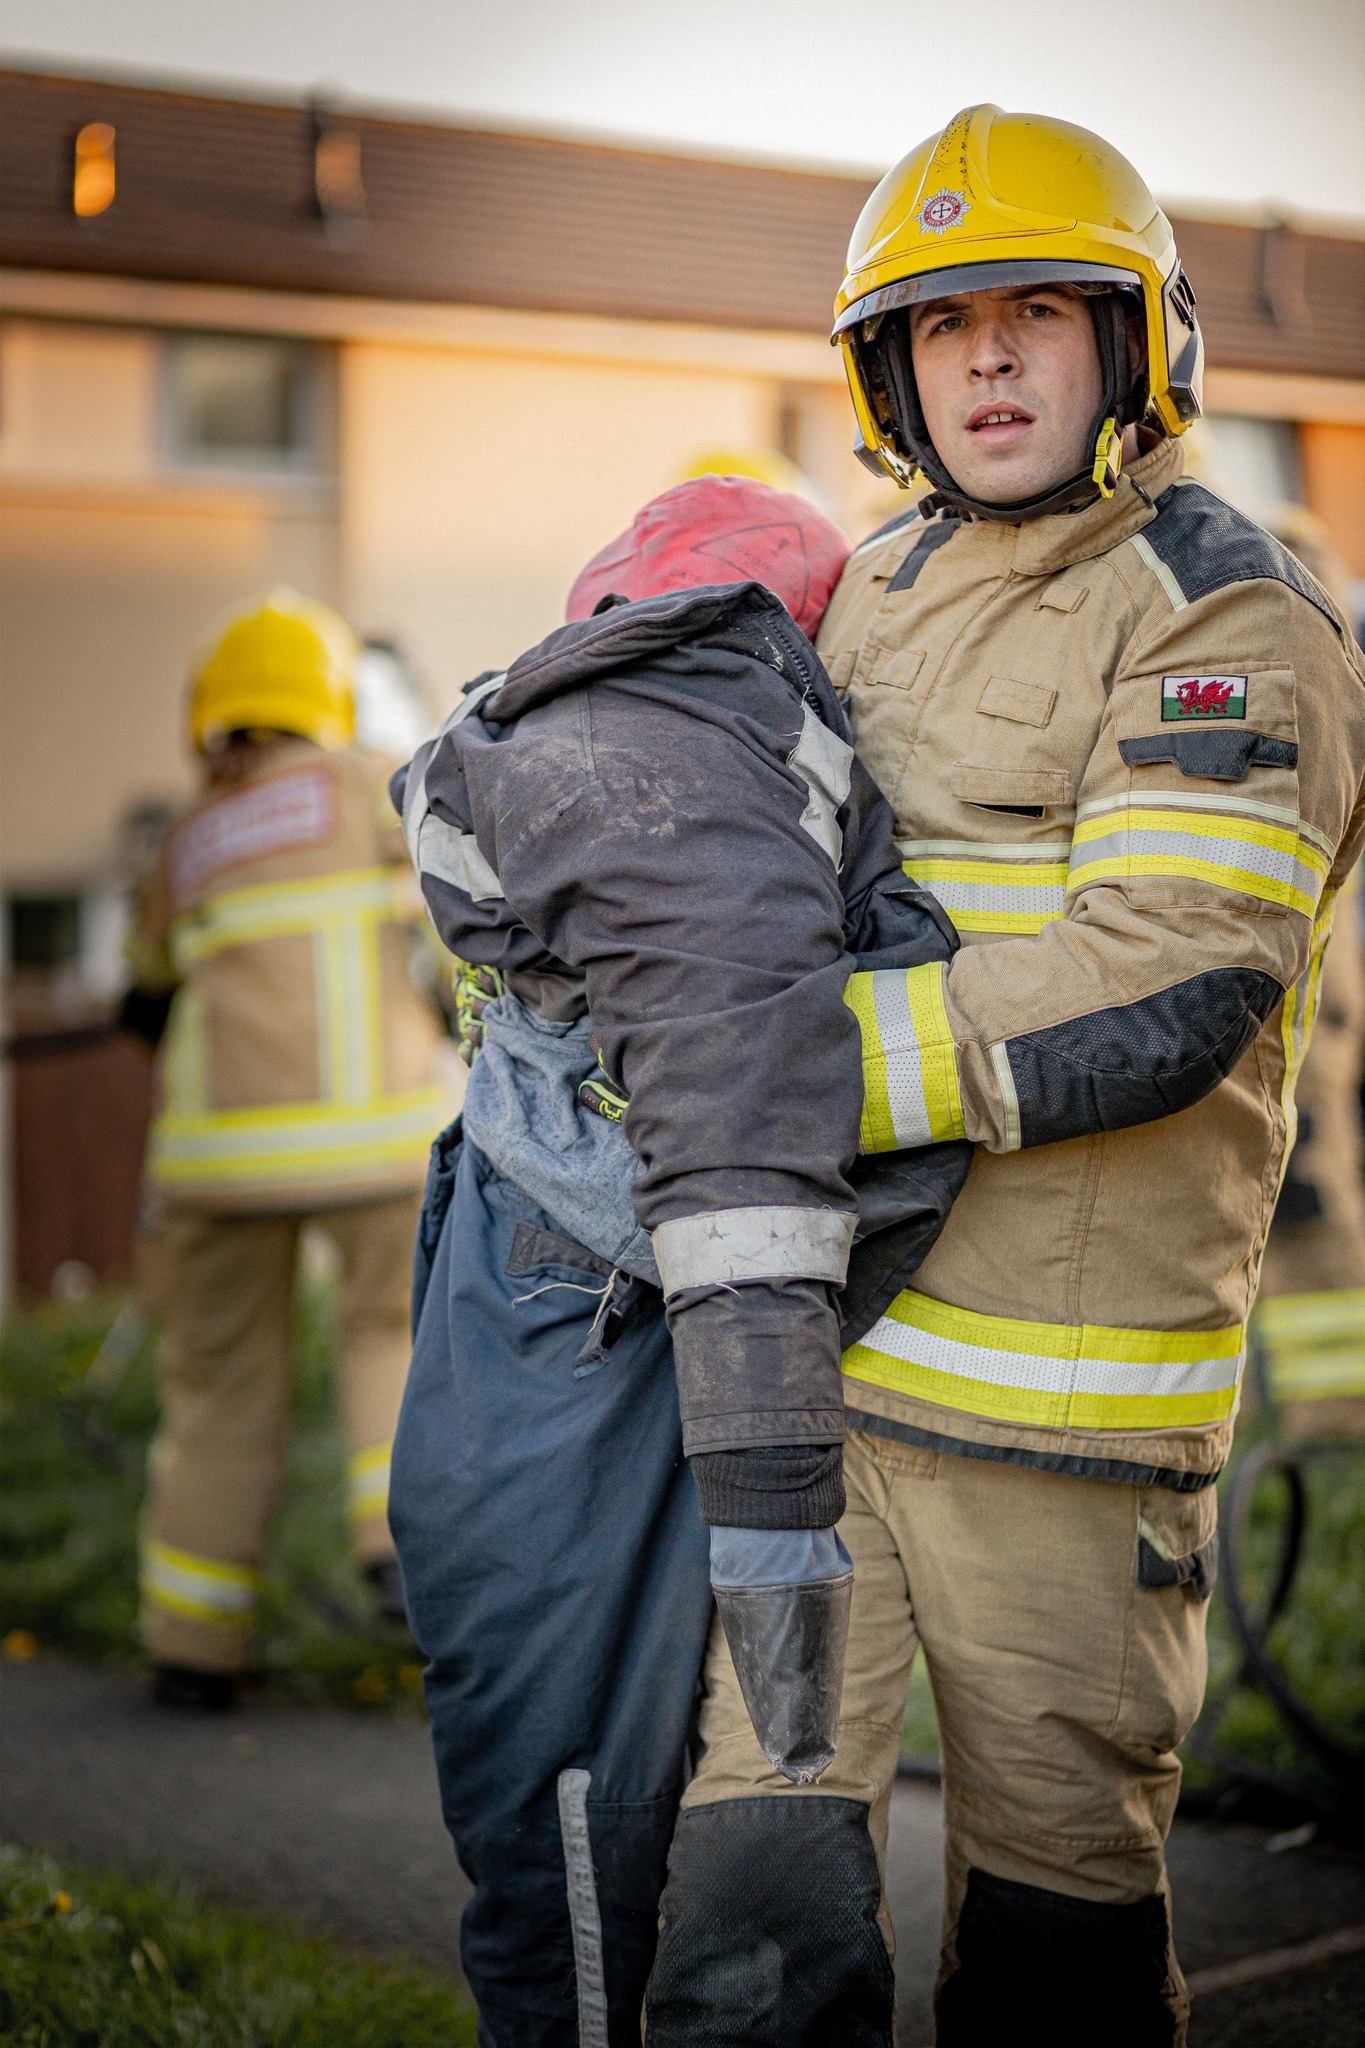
<point>282,662</point>
<point>996,200</point>
<point>764,465</point>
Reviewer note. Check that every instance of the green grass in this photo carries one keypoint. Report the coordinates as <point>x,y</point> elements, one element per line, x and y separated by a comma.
<point>73,1450</point>
<point>104,1962</point>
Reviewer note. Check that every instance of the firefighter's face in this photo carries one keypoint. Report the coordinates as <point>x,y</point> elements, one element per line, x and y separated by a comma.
<point>1010,383</point>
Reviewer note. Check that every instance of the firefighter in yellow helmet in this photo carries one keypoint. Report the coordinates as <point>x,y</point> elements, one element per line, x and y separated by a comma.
<point>1123,733</point>
<point>1310,1315</point>
<point>298,1084</point>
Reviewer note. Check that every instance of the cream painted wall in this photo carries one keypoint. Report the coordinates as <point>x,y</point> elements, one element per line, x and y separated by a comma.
<point>474,488</point>
<point>110,568</point>
<point>76,402</point>
<point>104,598</point>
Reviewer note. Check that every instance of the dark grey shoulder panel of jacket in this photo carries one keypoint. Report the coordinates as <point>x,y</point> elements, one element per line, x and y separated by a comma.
<point>1138,1061</point>
<point>938,534</point>
<point>1207,545</point>
<point>1220,753</point>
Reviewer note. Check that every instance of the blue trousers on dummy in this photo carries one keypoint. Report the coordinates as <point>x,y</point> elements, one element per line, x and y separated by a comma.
<point>555,1564</point>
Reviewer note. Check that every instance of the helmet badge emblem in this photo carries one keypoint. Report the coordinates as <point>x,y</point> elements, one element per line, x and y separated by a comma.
<point>943,211</point>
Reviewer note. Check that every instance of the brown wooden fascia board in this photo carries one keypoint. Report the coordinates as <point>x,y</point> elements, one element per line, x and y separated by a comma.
<point>214,190</point>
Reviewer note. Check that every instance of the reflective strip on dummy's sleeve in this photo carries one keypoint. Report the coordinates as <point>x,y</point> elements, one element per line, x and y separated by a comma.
<point>825,764</point>
<point>910,1081</point>
<point>1259,851</point>
<point>415,806</point>
<point>729,1245</point>
<point>454,857</point>
<point>415,797</point>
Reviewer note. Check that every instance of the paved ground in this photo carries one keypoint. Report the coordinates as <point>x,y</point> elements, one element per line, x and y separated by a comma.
<point>331,1818</point>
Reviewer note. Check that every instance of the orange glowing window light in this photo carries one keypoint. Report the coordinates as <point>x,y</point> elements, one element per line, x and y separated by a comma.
<point>92,188</point>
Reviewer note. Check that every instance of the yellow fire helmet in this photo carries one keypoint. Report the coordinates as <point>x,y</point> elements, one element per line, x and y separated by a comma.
<point>763,465</point>
<point>281,662</point>
<point>998,200</point>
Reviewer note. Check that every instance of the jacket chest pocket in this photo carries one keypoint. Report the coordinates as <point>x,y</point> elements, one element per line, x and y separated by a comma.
<point>1015,759</point>
<point>1025,791</point>
<point>883,668</point>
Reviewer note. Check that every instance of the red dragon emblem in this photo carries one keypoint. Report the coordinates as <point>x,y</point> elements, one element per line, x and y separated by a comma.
<point>1197,698</point>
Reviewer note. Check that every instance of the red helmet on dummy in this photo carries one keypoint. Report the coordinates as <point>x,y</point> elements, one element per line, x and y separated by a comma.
<point>720,529</point>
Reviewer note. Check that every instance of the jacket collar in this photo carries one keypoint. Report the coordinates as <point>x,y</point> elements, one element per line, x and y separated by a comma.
<point>1041,547</point>
<point>1052,544</point>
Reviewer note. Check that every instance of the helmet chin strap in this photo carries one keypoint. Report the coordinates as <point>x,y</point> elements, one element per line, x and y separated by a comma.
<point>1123,397</point>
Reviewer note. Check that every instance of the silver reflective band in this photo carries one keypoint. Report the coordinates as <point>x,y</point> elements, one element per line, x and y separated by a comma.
<point>415,796</point>
<point>1009,1095</point>
<point>825,764</point>
<point>415,806</point>
<point>728,1245</point>
<point>454,856</point>
<point>585,1919</point>
<point>472,698</point>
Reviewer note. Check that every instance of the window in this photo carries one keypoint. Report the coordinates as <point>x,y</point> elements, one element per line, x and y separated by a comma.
<point>44,932</point>
<point>239,402</point>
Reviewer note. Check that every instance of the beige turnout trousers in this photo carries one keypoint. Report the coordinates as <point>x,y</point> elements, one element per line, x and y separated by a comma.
<point>1062,1681</point>
<point>225,1286</point>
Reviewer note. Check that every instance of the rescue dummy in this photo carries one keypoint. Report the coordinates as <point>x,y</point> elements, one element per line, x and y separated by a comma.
<point>1122,731</point>
<point>298,1086</point>
<point>652,827</point>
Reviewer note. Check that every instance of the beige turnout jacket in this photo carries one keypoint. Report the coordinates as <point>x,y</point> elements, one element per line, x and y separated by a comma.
<point>298,1067</point>
<point>1125,748</point>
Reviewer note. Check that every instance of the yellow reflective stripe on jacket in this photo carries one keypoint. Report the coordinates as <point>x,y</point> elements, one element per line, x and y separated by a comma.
<point>201,1587</point>
<point>1314,1343</point>
<point>281,910</point>
<point>910,1085</point>
<point>302,1140</point>
<point>1050,1375</point>
<point>355,1128</point>
<point>367,1483</point>
<point>1236,847</point>
<point>187,1053</point>
<point>1011,890</point>
<point>1297,1014</point>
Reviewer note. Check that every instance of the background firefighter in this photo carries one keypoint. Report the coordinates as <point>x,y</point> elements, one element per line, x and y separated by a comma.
<point>1310,1314</point>
<point>298,1085</point>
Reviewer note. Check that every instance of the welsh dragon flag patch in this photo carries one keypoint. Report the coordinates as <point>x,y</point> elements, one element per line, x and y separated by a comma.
<point>1201,697</point>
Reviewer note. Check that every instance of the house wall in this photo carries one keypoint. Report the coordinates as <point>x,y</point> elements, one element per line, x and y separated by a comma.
<point>1332,455</point>
<point>475,465</point>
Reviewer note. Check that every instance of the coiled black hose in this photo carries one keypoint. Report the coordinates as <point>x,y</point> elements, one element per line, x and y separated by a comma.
<point>1252,1626</point>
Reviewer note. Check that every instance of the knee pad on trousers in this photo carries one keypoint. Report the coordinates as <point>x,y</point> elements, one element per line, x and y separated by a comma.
<point>1035,1966</point>
<point>770,1935</point>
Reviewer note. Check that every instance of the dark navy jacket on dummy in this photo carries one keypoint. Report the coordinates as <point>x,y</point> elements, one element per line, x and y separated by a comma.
<point>657,816</point>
